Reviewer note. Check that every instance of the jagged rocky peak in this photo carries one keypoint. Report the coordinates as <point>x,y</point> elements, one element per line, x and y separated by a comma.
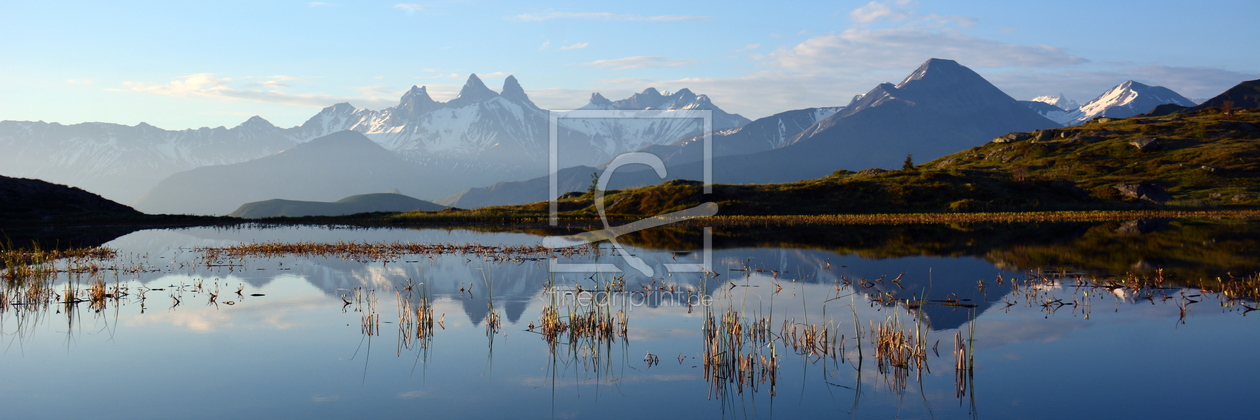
<point>338,108</point>
<point>513,91</point>
<point>597,99</point>
<point>685,95</point>
<point>417,94</point>
<point>416,101</point>
<point>511,87</point>
<point>473,91</point>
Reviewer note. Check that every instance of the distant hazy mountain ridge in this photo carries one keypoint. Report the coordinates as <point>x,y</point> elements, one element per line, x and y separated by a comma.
<point>363,203</point>
<point>324,169</point>
<point>494,136</point>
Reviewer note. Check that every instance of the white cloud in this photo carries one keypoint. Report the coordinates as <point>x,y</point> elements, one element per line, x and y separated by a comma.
<point>544,46</point>
<point>207,85</point>
<point>275,84</point>
<point>410,395</point>
<point>376,90</point>
<point>567,99</point>
<point>576,46</point>
<point>411,7</point>
<point>875,12</point>
<point>907,47</point>
<point>538,17</point>
<point>638,62</point>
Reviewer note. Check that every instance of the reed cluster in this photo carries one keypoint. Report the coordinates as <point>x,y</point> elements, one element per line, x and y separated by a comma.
<point>898,352</point>
<point>738,353</point>
<point>415,324</point>
<point>810,339</point>
<point>594,322</point>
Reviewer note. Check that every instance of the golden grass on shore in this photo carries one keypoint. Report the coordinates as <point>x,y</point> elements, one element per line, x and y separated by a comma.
<point>948,218</point>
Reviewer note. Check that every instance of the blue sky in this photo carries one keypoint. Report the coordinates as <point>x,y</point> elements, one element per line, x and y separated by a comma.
<point>190,64</point>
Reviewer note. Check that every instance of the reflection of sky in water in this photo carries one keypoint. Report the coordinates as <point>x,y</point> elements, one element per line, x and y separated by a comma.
<point>293,353</point>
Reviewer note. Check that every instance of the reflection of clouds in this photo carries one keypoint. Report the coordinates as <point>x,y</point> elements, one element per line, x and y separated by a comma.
<point>203,322</point>
<point>1050,285</point>
<point>380,276</point>
<point>998,333</point>
<point>277,314</point>
<point>411,395</point>
<point>324,398</point>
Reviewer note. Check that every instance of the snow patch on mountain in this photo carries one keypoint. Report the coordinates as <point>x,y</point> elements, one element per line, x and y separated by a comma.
<point>1128,99</point>
<point>1059,101</point>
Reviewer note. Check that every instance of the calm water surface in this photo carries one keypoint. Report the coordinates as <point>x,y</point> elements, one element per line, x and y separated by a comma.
<point>1042,349</point>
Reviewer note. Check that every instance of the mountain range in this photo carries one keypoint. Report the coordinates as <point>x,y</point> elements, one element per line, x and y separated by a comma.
<point>475,139</point>
<point>362,203</point>
<point>1122,101</point>
<point>488,148</point>
<point>940,108</point>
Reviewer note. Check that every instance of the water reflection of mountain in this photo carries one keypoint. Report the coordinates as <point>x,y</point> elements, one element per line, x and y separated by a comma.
<point>933,261</point>
<point>514,284</point>
<point>1186,249</point>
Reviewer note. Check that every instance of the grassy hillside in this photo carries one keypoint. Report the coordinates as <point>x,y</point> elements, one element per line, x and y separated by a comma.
<point>1201,159</point>
<point>24,199</point>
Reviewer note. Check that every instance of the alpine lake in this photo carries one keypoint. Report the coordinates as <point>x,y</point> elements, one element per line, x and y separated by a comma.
<point>1138,319</point>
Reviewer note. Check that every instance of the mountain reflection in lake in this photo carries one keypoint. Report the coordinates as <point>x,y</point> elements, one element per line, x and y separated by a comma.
<point>856,325</point>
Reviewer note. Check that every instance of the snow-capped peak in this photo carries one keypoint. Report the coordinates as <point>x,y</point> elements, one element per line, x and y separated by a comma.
<point>1130,98</point>
<point>930,67</point>
<point>1058,100</point>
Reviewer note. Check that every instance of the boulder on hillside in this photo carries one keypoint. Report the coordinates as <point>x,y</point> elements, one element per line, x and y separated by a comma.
<point>1043,135</point>
<point>1012,137</point>
<point>1146,143</point>
<point>1145,191</point>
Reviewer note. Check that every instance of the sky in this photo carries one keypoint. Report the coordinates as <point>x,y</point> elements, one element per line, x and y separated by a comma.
<point>189,64</point>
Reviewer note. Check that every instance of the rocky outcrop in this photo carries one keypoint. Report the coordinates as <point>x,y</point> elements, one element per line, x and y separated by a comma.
<point>1144,191</point>
<point>1012,137</point>
<point>1146,143</point>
